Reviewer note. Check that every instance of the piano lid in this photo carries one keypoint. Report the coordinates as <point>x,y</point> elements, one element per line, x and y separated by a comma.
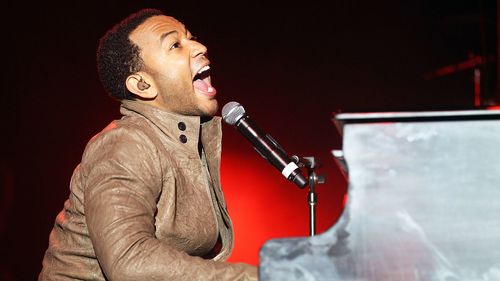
<point>340,119</point>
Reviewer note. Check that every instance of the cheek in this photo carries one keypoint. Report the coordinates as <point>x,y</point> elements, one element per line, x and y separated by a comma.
<point>172,66</point>
<point>179,68</point>
<point>174,79</point>
<point>178,75</point>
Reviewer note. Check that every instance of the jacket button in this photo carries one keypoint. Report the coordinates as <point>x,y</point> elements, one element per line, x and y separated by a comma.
<point>181,126</point>
<point>183,138</point>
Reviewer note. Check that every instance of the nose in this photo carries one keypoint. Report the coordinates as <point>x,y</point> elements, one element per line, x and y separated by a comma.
<point>198,49</point>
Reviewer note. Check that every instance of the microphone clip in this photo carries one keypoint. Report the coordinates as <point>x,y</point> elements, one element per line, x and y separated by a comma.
<point>309,162</point>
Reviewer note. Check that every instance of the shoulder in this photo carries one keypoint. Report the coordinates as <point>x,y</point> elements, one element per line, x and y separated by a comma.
<point>128,137</point>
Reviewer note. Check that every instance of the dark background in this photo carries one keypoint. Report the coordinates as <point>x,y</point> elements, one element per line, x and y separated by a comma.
<point>291,65</point>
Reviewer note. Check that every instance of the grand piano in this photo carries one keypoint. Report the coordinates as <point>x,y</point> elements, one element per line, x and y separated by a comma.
<point>423,203</point>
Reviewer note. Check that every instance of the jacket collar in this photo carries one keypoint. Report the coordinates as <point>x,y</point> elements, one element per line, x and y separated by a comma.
<point>181,129</point>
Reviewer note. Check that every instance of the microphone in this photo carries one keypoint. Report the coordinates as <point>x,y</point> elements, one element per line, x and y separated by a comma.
<point>234,114</point>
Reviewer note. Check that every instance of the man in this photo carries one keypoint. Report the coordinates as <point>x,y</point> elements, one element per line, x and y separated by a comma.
<point>146,201</point>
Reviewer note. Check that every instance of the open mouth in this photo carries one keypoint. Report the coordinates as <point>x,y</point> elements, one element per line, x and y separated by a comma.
<point>203,73</point>
<point>201,82</point>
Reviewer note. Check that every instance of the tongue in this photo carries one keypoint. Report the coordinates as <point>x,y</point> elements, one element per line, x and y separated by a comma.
<point>201,85</point>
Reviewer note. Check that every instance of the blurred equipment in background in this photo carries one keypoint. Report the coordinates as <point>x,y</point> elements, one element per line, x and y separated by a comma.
<point>477,34</point>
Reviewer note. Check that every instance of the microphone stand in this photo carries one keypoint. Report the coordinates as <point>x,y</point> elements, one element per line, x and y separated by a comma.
<point>310,163</point>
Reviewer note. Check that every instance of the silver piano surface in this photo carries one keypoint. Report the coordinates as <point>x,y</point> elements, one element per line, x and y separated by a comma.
<point>423,204</point>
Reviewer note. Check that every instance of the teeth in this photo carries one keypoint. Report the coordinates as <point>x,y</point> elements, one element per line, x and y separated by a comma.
<point>205,68</point>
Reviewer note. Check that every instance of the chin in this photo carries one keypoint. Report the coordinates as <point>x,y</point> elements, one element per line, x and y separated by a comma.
<point>210,109</point>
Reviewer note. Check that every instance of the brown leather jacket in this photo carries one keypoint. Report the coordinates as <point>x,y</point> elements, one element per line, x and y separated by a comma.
<point>145,206</point>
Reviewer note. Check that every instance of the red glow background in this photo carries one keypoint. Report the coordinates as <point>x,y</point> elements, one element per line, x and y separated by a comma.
<point>291,65</point>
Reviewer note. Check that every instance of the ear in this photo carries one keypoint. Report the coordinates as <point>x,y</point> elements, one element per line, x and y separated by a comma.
<point>138,84</point>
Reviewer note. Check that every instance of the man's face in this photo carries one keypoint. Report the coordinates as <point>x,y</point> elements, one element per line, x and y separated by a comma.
<point>178,66</point>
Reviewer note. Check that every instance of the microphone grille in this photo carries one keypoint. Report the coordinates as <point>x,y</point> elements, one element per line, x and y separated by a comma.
<point>232,112</point>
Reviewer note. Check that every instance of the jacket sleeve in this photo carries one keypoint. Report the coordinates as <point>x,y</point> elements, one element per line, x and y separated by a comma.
<point>122,182</point>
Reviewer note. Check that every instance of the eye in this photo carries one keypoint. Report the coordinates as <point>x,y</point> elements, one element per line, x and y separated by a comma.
<point>194,38</point>
<point>175,45</point>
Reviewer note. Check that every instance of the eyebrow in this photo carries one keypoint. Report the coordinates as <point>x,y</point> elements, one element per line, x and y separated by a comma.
<point>164,35</point>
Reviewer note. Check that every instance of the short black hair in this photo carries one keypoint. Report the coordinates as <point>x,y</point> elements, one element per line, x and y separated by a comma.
<point>118,56</point>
